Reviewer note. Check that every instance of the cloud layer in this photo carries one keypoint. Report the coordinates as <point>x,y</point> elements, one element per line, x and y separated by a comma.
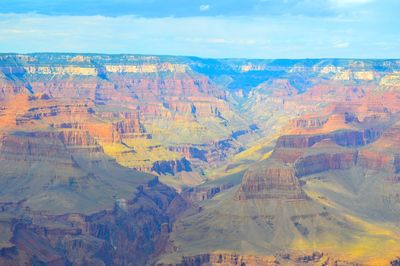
<point>182,8</point>
<point>252,29</point>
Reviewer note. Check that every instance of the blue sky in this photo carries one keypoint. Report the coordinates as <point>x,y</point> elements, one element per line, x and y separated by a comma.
<point>206,28</point>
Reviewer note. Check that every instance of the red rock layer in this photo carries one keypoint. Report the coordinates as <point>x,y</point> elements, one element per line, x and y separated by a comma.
<point>271,180</point>
<point>26,147</point>
<point>324,162</point>
<point>347,138</point>
<point>375,160</point>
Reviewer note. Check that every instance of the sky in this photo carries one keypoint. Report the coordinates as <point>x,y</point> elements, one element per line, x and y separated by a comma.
<point>204,28</point>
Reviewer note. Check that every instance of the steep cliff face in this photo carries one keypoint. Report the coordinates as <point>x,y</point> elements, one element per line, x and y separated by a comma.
<point>130,126</point>
<point>382,156</point>
<point>271,180</point>
<point>342,138</point>
<point>376,160</point>
<point>191,153</point>
<point>295,156</point>
<point>129,233</point>
<point>308,122</point>
<point>201,194</point>
<point>27,148</point>
<point>324,162</point>
<point>171,167</point>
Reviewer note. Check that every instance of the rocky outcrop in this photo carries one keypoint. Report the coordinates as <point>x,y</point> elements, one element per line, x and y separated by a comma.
<point>129,126</point>
<point>296,156</point>
<point>376,160</point>
<point>34,143</point>
<point>30,147</point>
<point>49,109</point>
<point>219,151</point>
<point>199,194</point>
<point>190,153</point>
<point>270,180</point>
<point>308,122</point>
<point>171,167</point>
<point>346,138</point>
<point>287,155</point>
<point>382,162</point>
<point>321,162</point>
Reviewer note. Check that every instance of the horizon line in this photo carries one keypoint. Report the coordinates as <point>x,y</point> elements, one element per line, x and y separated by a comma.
<point>200,57</point>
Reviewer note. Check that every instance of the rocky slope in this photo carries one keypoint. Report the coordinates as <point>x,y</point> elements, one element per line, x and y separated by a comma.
<point>64,202</point>
<point>128,233</point>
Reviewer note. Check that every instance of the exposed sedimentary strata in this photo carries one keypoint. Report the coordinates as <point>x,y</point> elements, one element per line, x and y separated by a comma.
<point>8,88</point>
<point>251,67</point>
<point>92,71</point>
<point>376,160</point>
<point>390,82</point>
<point>308,122</point>
<point>364,75</point>
<point>190,153</point>
<point>129,127</point>
<point>270,180</point>
<point>357,75</point>
<point>30,147</point>
<point>61,70</point>
<point>146,68</point>
<point>68,112</point>
<point>317,163</point>
<point>300,155</point>
<point>197,194</point>
<point>345,138</point>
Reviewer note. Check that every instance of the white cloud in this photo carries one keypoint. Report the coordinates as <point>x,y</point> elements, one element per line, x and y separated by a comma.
<point>217,40</point>
<point>344,3</point>
<point>246,36</point>
<point>341,45</point>
<point>236,41</point>
<point>204,8</point>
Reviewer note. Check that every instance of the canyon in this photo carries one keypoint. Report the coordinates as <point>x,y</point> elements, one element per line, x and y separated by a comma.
<point>172,160</point>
